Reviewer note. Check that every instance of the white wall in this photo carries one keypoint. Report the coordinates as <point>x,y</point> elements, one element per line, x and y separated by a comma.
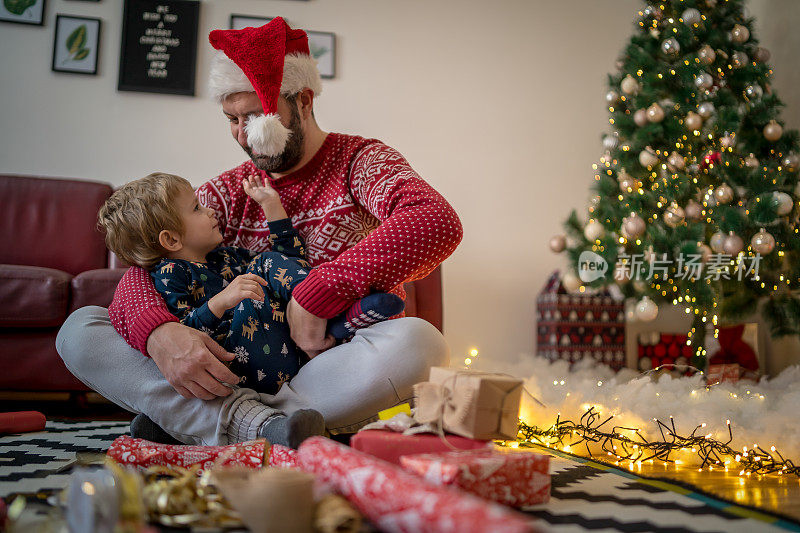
<point>498,104</point>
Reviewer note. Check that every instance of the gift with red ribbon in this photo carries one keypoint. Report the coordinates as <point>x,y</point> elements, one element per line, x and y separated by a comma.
<point>390,445</point>
<point>510,477</point>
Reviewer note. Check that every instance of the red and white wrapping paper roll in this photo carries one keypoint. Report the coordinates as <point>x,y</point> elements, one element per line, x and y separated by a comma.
<point>397,501</point>
<point>21,422</point>
<point>139,452</point>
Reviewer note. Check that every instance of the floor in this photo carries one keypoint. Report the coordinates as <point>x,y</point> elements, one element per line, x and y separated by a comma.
<point>586,496</point>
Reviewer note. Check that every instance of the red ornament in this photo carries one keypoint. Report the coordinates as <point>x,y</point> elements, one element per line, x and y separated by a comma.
<point>711,158</point>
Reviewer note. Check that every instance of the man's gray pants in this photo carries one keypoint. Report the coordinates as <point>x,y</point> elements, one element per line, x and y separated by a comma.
<point>348,384</point>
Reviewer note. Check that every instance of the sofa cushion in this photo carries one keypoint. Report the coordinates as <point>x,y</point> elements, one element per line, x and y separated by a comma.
<point>33,296</point>
<point>52,223</point>
<point>95,287</point>
<point>30,362</point>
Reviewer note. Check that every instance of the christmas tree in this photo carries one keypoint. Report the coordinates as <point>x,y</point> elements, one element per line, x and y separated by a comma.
<point>695,197</point>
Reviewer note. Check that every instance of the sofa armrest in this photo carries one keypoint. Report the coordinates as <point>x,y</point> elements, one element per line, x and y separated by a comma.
<point>33,297</point>
<point>95,287</point>
<point>424,298</point>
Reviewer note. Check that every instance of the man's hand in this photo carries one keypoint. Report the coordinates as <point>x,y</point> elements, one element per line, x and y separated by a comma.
<point>191,361</point>
<point>242,287</point>
<point>307,330</point>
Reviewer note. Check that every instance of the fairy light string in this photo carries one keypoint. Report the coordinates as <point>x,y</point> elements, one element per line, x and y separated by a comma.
<point>628,444</point>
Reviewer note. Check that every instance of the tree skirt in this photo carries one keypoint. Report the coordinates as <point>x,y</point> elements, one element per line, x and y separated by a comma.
<point>586,496</point>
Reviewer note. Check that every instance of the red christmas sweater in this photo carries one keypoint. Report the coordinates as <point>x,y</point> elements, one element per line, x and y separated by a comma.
<point>370,223</point>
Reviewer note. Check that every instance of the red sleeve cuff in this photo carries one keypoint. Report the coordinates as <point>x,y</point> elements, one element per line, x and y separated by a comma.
<point>316,297</point>
<point>144,325</point>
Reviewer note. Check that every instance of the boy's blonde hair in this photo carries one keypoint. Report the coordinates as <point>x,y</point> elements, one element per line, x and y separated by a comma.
<point>134,216</point>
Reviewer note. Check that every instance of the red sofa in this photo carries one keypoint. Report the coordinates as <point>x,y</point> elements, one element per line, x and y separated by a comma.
<point>53,260</point>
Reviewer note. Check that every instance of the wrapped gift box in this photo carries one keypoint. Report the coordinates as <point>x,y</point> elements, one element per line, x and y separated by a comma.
<point>515,478</point>
<point>657,348</point>
<point>139,452</point>
<point>389,445</point>
<point>476,405</point>
<point>578,326</point>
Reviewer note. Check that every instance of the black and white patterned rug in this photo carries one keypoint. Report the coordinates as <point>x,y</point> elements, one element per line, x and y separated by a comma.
<point>585,496</point>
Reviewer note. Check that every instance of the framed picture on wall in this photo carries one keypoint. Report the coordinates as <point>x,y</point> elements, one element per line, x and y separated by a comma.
<point>22,11</point>
<point>76,44</point>
<point>323,48</point>
<point>247,21</point>
<point>159,46</point>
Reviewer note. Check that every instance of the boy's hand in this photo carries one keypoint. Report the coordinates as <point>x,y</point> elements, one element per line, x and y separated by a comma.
<point>241,288</point>
<point>266,196</point>
<point>308,330</point>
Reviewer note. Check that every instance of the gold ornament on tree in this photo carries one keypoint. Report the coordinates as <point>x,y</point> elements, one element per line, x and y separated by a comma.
<point>571,282</point>
<point>762,242</point>
<point>629,85</point>
<point>773,131</point>
<point>706,55</point>
<point>784,203</point>
<point>693,121</point>
<point>751,161</point>
<point>676,161</point>
<point>693,211</point>
<point>723,194</point>
<point>740,34</point>
<point>640,118</point>
<point>705,110</point>
<point>647,157</point>
<point>705,252</point>
<point>593,230</point>
<point>655,113</point>
<point>717,242</point>
<point>739,59</point>
<point>646,309</point>
<point>691,16</point>
<point>733,244</point>
<point>674,215</point>
<point>558,243</point>
<point>704,81</point>
<point>633,226</point>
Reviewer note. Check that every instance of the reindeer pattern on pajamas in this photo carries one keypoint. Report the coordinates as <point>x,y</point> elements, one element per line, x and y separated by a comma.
<point>256,332</point>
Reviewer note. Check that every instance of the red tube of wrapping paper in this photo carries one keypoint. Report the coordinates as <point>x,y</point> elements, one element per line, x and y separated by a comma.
<point>21,422</point>
<point>396,501</point>
<point>139,452</point>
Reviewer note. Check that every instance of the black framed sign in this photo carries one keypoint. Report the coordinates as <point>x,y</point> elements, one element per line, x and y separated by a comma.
<point>159,46</point>
<point>23,11</point>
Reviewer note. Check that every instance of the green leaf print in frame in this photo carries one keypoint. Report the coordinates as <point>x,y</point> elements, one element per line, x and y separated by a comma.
<point>23,11</point>
<point>18,7</point>
<point>76,44</point>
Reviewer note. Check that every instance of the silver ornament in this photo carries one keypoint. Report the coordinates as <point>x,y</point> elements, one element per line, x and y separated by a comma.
<point>628,185</point>
<point>655,113</point>
<point>612,97</point>
<point>671,47</point>
<point>633,226</point>
<point>704,81</point>
<point>706,55</point>
<point>705,110</point>
<point>640,117</point>
<point>610,142</point>
<point>717,242</point>
<point>694,168</point>
<point>733,244</point>
<point>647,157</point>
<point>753,92</point>
<point>693,211</point>
<point>629,85</point>
<point>646,310</point>
<point>674,216</point>
<point>791,161</point>
<point>761,55</point>
<point>693,121</point>
<point>750,161</point>
<point>558,243</point>
<point>676,161</point>
<point>739,59</point>
<point>784,203</point>
<point>740,34</point>
<point>654,33</point>
<point>593,231</point>
<point>691,16</point>
<point>773,131</point>
<point>723,194</point>
<point>762,242</point>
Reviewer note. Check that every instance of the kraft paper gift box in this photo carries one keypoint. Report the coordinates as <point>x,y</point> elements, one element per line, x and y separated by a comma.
<point>476,405</point>
<point>514,478</point>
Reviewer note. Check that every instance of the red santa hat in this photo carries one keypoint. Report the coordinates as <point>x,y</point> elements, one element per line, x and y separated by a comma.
<point>271,60</point>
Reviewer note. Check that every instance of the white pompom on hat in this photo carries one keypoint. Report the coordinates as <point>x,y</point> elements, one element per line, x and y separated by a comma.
<point>270,60</point>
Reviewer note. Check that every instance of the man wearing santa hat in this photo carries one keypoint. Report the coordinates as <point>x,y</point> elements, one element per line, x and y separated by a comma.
<point>370,223</point>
